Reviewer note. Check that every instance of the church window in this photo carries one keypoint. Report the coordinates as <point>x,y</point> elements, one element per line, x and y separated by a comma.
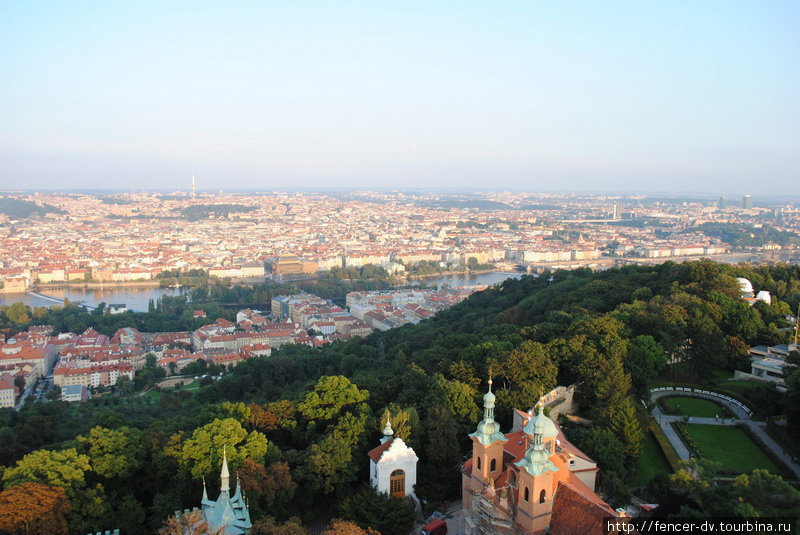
<point>479,463</point>
<point>527,494</point>
<point>493,465</point>
<point>397,483</point>
<point>542,496</point>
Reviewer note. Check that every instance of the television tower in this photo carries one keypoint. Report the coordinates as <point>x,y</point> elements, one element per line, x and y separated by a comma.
<point>194,189</point>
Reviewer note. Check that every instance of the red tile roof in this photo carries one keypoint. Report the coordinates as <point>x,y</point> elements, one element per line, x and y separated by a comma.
<point>576,512</point>
<point>376,453</point>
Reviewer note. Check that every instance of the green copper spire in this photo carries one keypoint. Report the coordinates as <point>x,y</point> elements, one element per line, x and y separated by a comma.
<point>537,459</point>
<point>388,432</point>
<point>540,425</point>
<point>488,430</point>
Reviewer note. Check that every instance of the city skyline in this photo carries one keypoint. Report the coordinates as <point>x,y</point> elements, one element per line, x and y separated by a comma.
<point>523,97</point>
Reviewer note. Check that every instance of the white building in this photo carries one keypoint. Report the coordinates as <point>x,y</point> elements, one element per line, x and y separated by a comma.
<point>393,465</point>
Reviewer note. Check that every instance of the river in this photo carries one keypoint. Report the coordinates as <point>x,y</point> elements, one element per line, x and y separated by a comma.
<point>467,279</point>
<point>134,298</point>
<point>137,298</point>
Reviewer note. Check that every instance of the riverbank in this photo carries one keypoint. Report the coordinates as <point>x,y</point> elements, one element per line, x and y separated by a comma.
<point>415,277</point>
<point>137,296</point>
<point>95,285</point>
<point>155,283</point>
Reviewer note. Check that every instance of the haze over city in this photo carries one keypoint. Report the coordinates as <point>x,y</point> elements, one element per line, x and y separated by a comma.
<point>582,96</point>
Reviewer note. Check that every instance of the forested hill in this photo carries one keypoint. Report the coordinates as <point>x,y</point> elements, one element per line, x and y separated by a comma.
<point>298,424</point>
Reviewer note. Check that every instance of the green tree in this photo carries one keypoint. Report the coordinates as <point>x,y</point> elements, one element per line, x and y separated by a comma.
<point>201,454</point>
<point>624,423</point>
<point>91,507</point>
<point>124,385</point>
<point>330,396</point>
<point>333,461</point>
<point>238,411</point>
<point>370,509</point>
<point>18,313</point>
<point>766,494</point>
<point>457,397</point>
<point>603,446</point>
<point>646,359</point>
<point>114,453</point>
<point>524,375</point>
<point>59,468</point>
<point>440,477</point>
<point>405,423</point>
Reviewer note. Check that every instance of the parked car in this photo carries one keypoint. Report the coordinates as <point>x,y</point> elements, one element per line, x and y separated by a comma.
<point>437,526</point>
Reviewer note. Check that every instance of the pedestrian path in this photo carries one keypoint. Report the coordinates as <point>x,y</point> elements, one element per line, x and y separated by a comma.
<point>742,412</point>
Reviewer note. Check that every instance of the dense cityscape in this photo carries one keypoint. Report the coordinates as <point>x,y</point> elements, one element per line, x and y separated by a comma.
<point>118,238</point>
<point>269,282</point>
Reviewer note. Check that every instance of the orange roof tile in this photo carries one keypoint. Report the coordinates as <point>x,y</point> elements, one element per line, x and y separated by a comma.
<point>576,513</point>
<point>376,453</point>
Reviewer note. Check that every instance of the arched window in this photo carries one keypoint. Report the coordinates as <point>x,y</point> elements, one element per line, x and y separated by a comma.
<point>527,494</point>
<point>397,483</point>
<point>493,465</point>
<point>542,496</point>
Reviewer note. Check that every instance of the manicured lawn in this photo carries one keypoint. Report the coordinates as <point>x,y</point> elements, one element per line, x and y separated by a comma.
<point>194,385</point>
<point>651,462</point>
<point>703,408</point>
<point>152,395</point>
<point>730,447</point>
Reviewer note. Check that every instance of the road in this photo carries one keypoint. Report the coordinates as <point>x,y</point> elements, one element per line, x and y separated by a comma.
<point>24,396</point>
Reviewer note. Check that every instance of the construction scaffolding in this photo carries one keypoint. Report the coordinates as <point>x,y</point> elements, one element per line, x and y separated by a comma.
<point>487,518</point>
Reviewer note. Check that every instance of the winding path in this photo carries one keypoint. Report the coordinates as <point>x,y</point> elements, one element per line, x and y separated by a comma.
<point>742,412</point>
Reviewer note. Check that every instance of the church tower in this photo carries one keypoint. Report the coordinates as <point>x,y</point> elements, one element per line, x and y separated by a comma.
<point>487,450</point>
<point>538,475</point>
<point>227,513</point>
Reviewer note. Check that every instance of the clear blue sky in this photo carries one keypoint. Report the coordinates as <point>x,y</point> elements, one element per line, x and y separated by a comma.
<point>638,95</point>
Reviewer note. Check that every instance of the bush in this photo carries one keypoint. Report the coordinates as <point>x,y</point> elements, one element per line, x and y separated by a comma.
<point>372,509</point>
<point>691,443</point>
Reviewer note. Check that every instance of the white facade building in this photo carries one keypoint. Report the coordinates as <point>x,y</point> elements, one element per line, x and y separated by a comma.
<point>393,466</point>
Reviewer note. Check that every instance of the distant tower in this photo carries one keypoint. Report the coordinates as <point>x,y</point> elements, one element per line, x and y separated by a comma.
<point>747,202</point>
<point>194,189</point>
<point>616,211</point>
<point>722,203</point>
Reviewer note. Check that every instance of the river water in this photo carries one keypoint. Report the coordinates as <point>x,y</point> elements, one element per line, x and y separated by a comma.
<point>138,298</point>
<point>134,298</point>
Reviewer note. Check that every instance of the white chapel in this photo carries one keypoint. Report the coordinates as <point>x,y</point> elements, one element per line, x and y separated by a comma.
<point>393,465</point>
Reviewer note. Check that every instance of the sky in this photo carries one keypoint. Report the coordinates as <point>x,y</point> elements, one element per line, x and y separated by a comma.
<point>521,95</point>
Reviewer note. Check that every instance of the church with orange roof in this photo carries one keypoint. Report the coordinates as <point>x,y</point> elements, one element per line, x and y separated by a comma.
<point>531,480</point>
